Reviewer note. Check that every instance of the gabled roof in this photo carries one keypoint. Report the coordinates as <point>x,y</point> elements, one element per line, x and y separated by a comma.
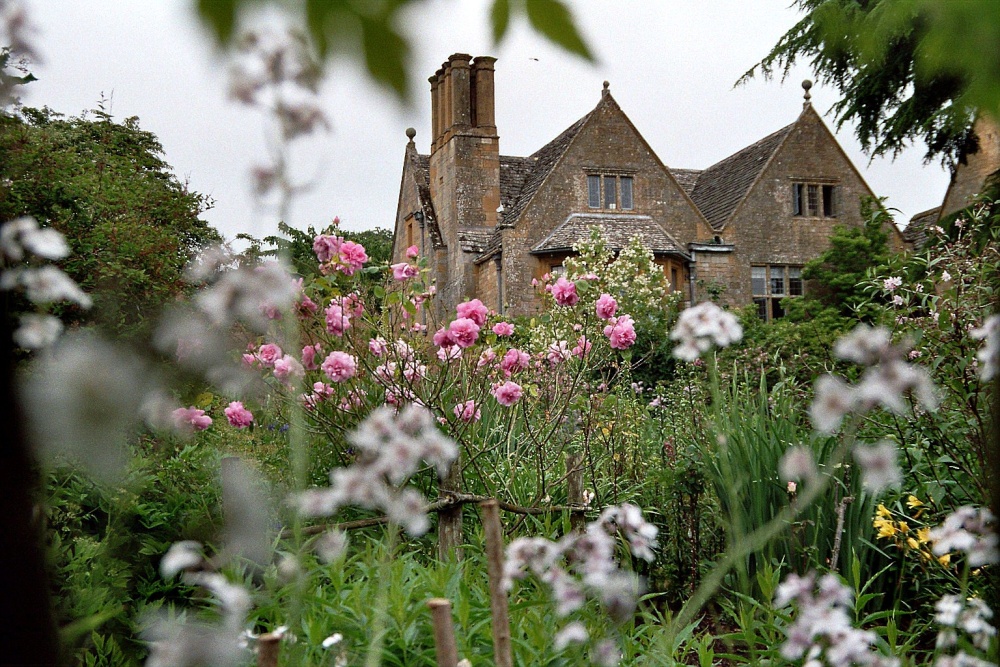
<point>541,163</point>
<point>916,231</point>
<point>420,168</point>
<point>721,187</point>
<point>617,229</point>
<point>513,170</point>
<point>686,178</point>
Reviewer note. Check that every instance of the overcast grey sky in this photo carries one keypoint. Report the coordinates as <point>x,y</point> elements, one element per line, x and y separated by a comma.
<point>671,64</point>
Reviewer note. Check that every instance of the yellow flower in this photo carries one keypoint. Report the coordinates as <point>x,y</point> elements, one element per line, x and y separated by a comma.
<point>913,502</point>
<point>912,543</point>
<point>903,527</point>
<point>924,534</point>
<point>882,511</point>
<point>945,560</point>
<point>886,529</point>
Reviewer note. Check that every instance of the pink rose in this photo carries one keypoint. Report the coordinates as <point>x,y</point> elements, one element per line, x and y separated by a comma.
<point>378,346</point>
<point>412,252</point>
<point>337,321</point>
<point>464,331</point>
<point>468,412</point>
<point>557,352</point>
<point>353,257</point>
<point>288,367</point>
<point>514,360</point>
<point>307,306</point>
<point>340,366</point>
<point>403,271</point>
<point>191,419</point>
<point>309,353</point>
<point>564,292</point>
<point>582,347</point>
<point>326,247</point>
<point>249,360</point>
<point>444,338</point>
<point>238,416</point>
<point>507,394</point>
<point>621,332</point>
<point>606,307</point>
<point>503,329</point>
<point>486,358</point>
<point>268,354</point>
<point>473,310</point>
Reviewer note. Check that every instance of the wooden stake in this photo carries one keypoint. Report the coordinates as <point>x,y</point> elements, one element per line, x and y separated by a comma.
<point>444,633</point>
<point>574,491</point>
<point>268,648</point>
<point>498,596</point>
<point>450,519</point>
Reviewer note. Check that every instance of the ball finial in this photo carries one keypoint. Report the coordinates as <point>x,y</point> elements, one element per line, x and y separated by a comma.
<point>410,133</point>
<point>806,85</point>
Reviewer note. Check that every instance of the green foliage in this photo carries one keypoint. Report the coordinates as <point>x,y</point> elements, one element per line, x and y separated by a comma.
<point>834,278</point>
<point>131,225</point>
<point>756,428</point>
<point>370,32</point>
<point>105,545</point>
<point>905,69</point>
<point>13,73</point>
<point>296,246</point>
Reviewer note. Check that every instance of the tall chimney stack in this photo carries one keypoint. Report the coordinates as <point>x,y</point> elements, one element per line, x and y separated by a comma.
<point>483,96</point>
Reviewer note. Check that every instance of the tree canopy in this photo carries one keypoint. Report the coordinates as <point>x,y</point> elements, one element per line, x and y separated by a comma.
<point>906,70</point>
<point>131,224</point>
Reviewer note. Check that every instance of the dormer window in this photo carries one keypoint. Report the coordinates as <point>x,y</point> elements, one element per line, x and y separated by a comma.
<point>814,200</point>
<point>610,192</point>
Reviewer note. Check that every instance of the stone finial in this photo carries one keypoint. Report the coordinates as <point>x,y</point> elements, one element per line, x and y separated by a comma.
<point>607,89</point>
<point>806,85</point>
<point>410,133</point>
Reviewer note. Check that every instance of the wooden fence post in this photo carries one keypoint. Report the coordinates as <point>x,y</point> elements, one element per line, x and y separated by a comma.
<point>450,520</point>
<point>268,648</point>
<point>498,596</point>
<point>574,491</point>
<point>444,633</point>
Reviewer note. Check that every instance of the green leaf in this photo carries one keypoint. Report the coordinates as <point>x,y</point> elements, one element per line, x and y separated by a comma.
<point>220,15</point>
<point>385,53</point>
<point>500,18</point>
<point>554,21</point>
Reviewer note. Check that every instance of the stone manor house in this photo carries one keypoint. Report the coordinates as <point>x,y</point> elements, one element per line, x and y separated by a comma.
<point>490,223</point>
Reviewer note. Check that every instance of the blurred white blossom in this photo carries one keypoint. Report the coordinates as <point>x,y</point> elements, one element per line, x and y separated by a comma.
<point>391,448</point>
<point>879,465</point>
<point>37,331</point>
<point>989,353</point>
<point>701,326</point>
<point>82,401</point>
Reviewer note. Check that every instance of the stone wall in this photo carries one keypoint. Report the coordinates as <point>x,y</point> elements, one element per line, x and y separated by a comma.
<point>607,142</point>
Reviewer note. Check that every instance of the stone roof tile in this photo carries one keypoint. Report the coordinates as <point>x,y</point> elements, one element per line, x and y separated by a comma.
<point>686,178</point>
<point>474,240</point>
<point>916,232</point>
<point>616,229</point>
<point>721,187</point>
<point>421,173</point>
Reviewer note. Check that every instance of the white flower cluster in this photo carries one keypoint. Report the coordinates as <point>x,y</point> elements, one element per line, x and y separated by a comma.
<point>971,616</point>
<point>390,448</point>
<point>821,631</point>
<point>989,353</point>
<point>590,556</point>
<point>23,239</point>
<point>251,294</point>
<point>701,326</point>
<point>177,642</point>
<point>971,531</point>
<point>887,380</point>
